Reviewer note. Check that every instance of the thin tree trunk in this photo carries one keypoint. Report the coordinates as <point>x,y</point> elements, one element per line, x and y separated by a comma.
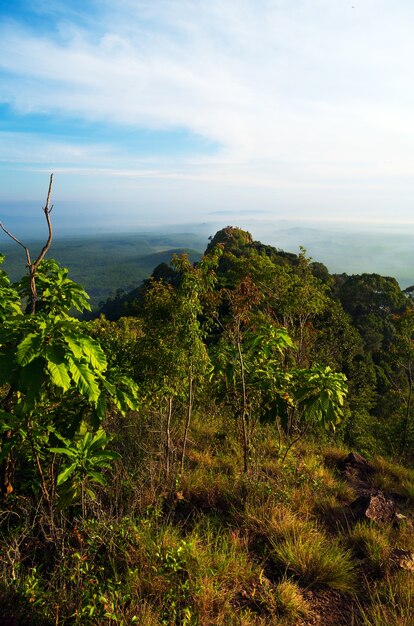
<point>246,444</point>
<point>42,476</point>
<point>279,433</point>
<point>407,411</point>
<point>245,426</point>
<point>168,436</point>
<point>7,466</point>
<point>294,441</point>
<point>189,414</point>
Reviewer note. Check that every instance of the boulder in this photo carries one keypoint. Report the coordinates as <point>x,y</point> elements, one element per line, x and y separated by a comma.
<point>355,466</point>
<point>374,507</point>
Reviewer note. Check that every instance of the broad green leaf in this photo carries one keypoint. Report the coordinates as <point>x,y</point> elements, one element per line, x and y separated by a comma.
<point>86,442</point>
<point>84,380</point>
<point>124,401</point>
<point>109,387</point>
<point>31,382</point>
<point>94,353</point>
<point>98,477</point>
<point>59,375</point>
<point>61,438</point>
<point>73,344</point>
<point>101,407</point>
<point>65,474</point>
<point>90,493</point>
<point>28,349</point>
<point>107,454</point>
<point>55,353</point>
<point>99,440</point>
<point>68,451</point>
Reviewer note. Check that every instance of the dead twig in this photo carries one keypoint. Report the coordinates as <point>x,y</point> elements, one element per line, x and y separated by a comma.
<point>47,209</point>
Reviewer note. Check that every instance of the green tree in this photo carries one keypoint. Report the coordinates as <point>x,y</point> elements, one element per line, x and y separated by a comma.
<point>255,374</point>
<point>371,300</point>
<point>54,376</point>
<point>231,360</point>
<point>292,295</point>
<point>173,355</point>
<point>398,374</point>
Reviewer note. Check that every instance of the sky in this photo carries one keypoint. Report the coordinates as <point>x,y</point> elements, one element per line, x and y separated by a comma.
<point>181,111</point>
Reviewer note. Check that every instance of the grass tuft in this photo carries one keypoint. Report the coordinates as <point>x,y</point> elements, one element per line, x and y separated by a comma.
<point>391,602</point>
<point>316,561</point>
<point>394,478</point>
<point>289,600</point>
<point>371,545</point>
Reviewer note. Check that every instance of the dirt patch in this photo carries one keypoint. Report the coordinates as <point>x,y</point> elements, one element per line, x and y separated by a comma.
<point>328,608</point>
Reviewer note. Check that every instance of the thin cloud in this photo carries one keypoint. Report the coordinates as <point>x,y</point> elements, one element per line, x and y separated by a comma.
<point>296,95</point>
<point>259,81</point>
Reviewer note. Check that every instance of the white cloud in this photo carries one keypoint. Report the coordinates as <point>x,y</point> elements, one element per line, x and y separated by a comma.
<point>296,92</point>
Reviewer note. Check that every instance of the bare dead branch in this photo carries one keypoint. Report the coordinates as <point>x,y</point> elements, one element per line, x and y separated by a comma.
<point>47,209</point>
<point>25,248</point>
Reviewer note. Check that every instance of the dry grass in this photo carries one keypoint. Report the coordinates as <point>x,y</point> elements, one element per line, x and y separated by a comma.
<point>316,561</point>
<point>390,602</point>
<point>333,454</point>
<point>372,546</point>
<point>394,478</point>
<point>218,548</point>
<point>290,602</point>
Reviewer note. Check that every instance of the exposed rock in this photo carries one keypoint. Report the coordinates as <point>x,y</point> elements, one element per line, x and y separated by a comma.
<point>401,520</point>
<point>355,466</point>
<point>404,559</point>
<point>374,507</point>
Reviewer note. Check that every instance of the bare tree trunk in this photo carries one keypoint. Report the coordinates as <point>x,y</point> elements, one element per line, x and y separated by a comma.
<point>189,414</point>
<point>407,410</point>
<point>245,413</point>
<point>279,433</point>
<point>7,466</point>
<point>168,436</point>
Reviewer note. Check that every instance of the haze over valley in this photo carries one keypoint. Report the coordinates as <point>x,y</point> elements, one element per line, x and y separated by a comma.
<point>105,262</point>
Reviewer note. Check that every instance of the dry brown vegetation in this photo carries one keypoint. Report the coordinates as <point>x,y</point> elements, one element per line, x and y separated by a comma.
<point>215,546</point>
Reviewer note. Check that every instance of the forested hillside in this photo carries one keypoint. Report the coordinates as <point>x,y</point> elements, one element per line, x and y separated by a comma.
<point>107,263</point>
<point>359,325</point>
<point>193,454</point>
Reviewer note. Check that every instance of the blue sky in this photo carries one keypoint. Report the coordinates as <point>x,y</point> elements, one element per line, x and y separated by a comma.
<point>180,110</point>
